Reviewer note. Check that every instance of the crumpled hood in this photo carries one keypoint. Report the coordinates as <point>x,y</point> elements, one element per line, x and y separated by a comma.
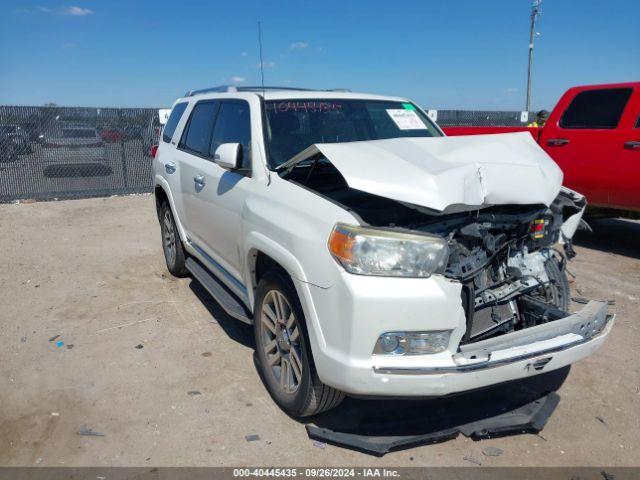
<point>442,172</point>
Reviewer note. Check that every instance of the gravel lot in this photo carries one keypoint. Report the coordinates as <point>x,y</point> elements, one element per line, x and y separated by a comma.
<point>137,341</point>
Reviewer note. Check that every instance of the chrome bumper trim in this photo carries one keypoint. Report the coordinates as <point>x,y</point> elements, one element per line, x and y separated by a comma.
<point>489,364</point>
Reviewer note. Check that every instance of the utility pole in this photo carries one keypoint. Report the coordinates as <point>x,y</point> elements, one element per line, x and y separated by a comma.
<point>535,13</point>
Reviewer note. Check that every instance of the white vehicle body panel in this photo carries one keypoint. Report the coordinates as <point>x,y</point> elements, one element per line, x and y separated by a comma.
<point>438,173</point>
<point>233,217</point>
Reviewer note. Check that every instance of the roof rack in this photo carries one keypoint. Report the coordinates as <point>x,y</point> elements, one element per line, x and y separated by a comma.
<point>234,88</point>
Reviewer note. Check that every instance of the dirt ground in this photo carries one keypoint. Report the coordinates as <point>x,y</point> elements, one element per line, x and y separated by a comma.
<point>137,341</point>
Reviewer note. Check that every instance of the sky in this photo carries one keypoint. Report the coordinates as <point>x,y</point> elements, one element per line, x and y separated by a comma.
<point>444,55</point>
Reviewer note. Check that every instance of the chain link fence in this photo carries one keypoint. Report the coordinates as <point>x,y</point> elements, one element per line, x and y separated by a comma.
<point>67,152</point>
<point>63,152</point>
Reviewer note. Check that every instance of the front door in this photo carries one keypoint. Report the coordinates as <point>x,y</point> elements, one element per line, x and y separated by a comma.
<point>214,197</point>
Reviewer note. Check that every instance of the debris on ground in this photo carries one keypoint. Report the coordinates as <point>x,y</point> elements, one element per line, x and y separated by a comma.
<point>194,392</point>
<point>59,344</point>
<point>252,438</point>
<point>472,460</point>
<point>70,346</point>
<point>492,451</point>
<point>54,338</point>
<point>84,430</point>
<point>206,354</point>
<point>601,420</point>
<point>55,414</point>
<point>23,339</point>
<point>584,301</point>
<point>139,346</point>
<point>528,418</point>
<point>318,444</point>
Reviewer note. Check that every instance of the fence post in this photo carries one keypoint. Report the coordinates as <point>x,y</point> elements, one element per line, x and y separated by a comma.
<point>125,175</point>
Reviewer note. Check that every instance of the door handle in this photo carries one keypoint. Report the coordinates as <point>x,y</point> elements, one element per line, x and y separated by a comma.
<point>170,167</point>
<point>557,142</point>
<point>632,145</point>
<point>199,180</point>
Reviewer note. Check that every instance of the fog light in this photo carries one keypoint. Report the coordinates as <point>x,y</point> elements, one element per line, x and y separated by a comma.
<point>389,342</point>
<point>412,343</point>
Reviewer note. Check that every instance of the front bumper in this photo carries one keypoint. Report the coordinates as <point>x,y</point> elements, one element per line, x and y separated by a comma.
<point>346,328</point>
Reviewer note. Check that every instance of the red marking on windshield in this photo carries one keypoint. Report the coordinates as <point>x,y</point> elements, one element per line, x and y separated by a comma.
<point>313,107</point>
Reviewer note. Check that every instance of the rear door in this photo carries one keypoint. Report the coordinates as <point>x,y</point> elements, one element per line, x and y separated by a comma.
<point>192,159</point>
<point>583,137</point>
<point>625,184</point>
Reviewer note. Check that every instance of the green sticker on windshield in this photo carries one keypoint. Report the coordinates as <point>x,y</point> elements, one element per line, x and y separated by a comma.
<point>408,106</point>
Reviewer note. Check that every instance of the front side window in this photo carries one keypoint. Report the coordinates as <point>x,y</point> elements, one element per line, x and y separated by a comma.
<point>198,131</point>
<point>293,125</point>
<point>233,125</point>
<point>600,109</point>
<point>172,121</point>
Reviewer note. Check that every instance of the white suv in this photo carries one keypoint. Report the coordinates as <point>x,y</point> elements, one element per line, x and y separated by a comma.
<point>373,255</point>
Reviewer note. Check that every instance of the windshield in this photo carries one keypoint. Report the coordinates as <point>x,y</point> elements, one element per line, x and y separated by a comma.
<point>293,125</point>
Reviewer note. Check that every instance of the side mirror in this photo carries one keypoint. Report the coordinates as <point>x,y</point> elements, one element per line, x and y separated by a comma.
<point>228,155</point>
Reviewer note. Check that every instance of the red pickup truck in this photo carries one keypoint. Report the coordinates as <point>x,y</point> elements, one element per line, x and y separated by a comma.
<point>593,134</point>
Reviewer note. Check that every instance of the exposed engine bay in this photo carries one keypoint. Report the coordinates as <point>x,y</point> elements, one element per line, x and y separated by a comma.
<point>506,257</point>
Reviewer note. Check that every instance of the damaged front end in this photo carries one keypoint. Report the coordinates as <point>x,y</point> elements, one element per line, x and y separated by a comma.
<point>508,249</point>
<point>512,275</point>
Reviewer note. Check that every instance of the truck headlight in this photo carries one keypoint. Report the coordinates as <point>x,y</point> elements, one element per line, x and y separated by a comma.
<point>412,343</point>
<point>388,253</point>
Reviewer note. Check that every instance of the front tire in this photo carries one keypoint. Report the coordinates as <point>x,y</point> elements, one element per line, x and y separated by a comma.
<point>283,352</point>
<point>171,244</point>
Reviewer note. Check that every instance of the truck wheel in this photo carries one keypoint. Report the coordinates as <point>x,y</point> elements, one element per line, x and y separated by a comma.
<point>282,348</point>
<point>171,243</point>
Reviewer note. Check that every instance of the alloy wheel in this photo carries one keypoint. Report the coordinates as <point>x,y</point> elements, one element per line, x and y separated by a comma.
<point>280,338</point>
<point>169,238</point>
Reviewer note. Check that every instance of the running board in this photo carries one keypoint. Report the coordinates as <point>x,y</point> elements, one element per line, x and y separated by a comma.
<point>221,294</point>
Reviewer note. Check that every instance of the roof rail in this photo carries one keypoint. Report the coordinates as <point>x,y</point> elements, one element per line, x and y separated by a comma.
<point>235,88</point>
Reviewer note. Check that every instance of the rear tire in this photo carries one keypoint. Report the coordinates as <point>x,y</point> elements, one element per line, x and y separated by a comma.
<point>283,352</point>
<point>171,244</point>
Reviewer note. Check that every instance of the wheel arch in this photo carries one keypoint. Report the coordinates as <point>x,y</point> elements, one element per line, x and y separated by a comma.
<point>264,253</point>
<point>162,193</point>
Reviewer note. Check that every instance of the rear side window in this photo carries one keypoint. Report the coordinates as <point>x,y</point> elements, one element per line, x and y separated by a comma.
<point>198,132</point>
<point>596,109</point>
<point>233,126</point>
<point>172,121</point>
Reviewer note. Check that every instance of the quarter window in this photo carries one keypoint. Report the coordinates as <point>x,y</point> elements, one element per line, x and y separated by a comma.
<point>596,108</point>
<point>172,122</point>
<point>198,132</point>
<point>233,125</point>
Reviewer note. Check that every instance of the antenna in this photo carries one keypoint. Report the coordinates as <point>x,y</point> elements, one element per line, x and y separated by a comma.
<point>261,61</point>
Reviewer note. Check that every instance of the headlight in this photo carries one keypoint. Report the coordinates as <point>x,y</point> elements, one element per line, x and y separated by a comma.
<point>373,251</point>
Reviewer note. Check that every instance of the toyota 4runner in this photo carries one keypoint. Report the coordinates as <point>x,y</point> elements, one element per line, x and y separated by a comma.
<point>373,255</point>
